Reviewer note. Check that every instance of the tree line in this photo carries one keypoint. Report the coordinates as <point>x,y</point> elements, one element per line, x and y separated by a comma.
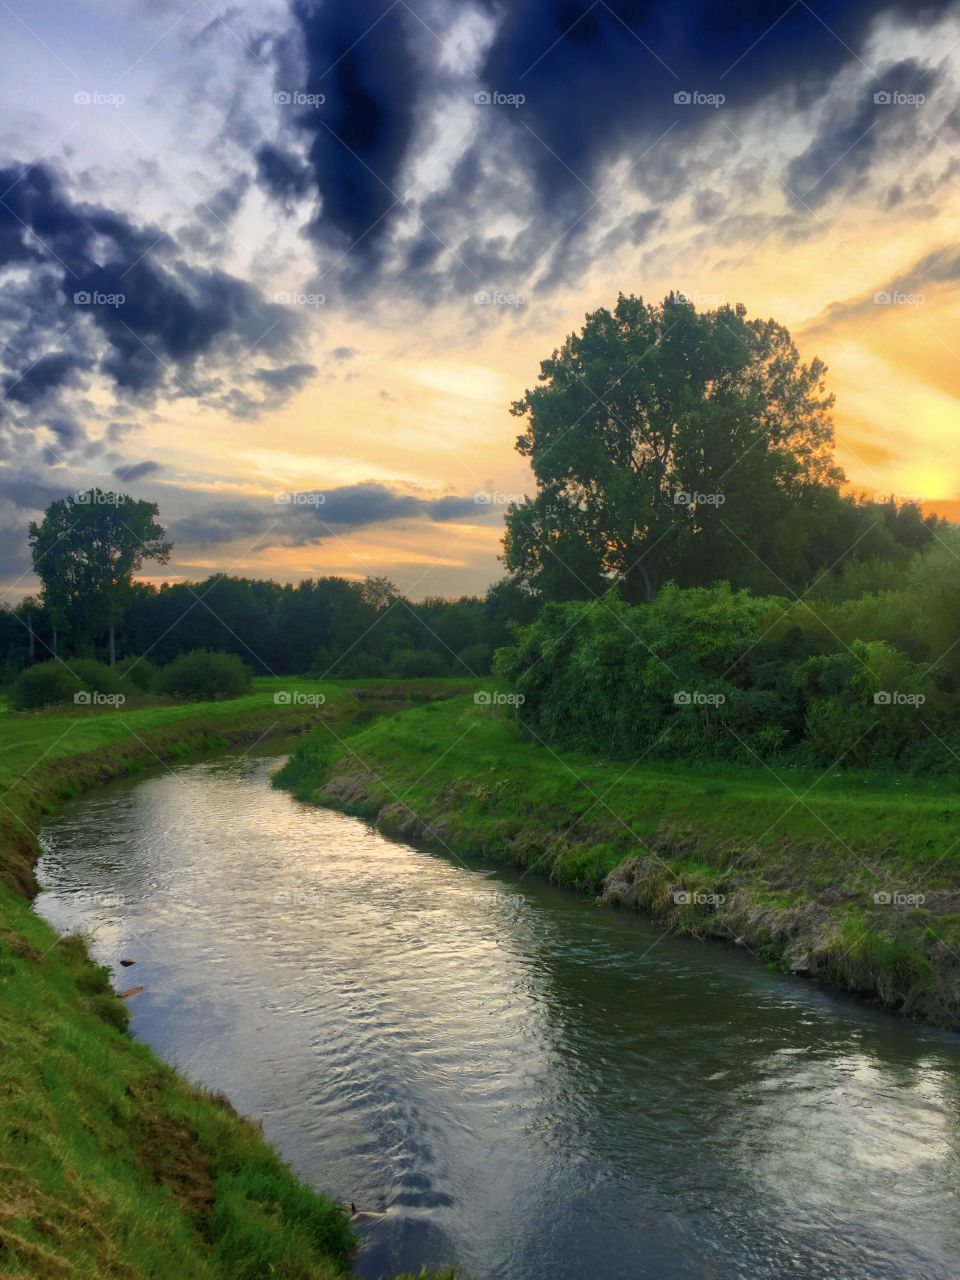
<point>689,519</point>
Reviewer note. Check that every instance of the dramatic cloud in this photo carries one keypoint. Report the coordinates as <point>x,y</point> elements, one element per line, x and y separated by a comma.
<point>548,95</point>
<point>137,313</point>
<point>137,471</point>
<point>311,515</point>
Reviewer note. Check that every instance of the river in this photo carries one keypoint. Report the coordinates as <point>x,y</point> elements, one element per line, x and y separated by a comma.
<point>517,1079</point>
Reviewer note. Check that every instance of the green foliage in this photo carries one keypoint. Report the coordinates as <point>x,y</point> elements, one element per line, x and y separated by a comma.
<point>412,664</point>
<point>140,672</point>
<point>204,676</point>
<point>709,672</point>
<point>85,552</point>
<point>43,685</point>
<point>53,683</point>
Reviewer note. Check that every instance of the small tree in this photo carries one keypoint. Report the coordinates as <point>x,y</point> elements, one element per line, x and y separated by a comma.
<point>85,552</point>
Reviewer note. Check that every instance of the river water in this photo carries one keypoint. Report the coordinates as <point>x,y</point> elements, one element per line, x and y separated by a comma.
<point>517,1079</point>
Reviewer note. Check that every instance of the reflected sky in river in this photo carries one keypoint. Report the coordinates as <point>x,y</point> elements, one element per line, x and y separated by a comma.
<point>515,1078</point>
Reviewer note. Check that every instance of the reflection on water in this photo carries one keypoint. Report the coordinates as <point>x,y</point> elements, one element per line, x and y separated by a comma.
<point>517,1079</point>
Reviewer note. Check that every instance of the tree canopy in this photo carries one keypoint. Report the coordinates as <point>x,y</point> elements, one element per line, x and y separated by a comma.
<point>85,552</point>
<point>670,443</point>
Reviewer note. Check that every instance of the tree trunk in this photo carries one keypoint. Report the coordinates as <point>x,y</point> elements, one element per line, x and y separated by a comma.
<point>54,641</point>
<point>113,645</point>
<point>33,639</point>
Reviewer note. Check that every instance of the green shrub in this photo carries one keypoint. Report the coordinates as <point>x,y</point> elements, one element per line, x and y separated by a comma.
<point>414,664</point>
<point>140,672</point>
<point>476,659</point>
<point>43,685</point>
<point>48,684</point>
<point>202,676</point>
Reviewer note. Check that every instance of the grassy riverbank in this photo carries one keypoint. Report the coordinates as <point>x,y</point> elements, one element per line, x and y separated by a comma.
<point>110,1163</point>
<point>849,878</point>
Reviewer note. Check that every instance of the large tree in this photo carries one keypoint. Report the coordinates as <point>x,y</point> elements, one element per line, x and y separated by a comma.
<point>85,552</point>
<point>671,443</point>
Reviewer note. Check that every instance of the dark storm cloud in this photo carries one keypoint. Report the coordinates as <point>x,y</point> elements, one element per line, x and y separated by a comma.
<point>599,83</point>
<point>288,378</point>
<point>362,58</point>
<point>311,516</point>
<point>283,175</point>
<point>49,373</point>
<point>135,312</point>
<point>852,141</point>
<point>137,471</point>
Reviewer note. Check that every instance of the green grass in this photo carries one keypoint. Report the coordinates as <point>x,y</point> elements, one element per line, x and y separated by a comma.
<point>111,1164</point>
<point>797,856</point>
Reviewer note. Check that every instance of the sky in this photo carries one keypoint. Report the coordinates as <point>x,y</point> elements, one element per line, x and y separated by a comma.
<point>282,268</point>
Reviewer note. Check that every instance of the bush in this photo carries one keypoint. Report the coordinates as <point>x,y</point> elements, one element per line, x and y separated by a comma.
<point>140,672</point>
<point>48,684</point>
<point>476,659</point>
<point>412,664</point>
<point>202,676</point>
<point>96,677</point>
<point>712,673</point>
<point>42,685</point>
